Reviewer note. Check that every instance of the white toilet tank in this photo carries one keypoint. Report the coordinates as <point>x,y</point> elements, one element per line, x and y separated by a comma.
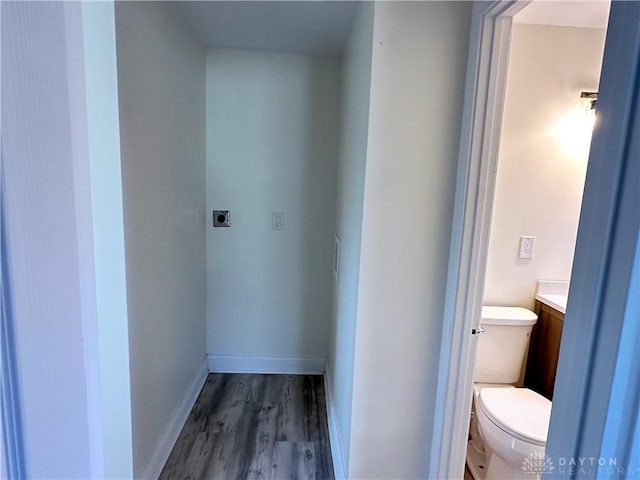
<point>503,345</point>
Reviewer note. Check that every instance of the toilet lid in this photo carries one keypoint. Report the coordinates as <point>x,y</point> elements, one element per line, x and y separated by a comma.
<point>520,412</point>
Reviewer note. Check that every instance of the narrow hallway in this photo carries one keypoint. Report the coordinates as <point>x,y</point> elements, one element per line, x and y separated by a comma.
<point>255,426</point>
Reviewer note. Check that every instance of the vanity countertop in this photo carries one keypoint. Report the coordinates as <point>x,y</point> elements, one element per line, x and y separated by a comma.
<point>553,293</point>
<point>559,302</point>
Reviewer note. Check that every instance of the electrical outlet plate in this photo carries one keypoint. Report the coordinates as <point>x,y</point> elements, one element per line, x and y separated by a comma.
<point>527,246</point>
<point>221,218</point>
<point>277,221</point>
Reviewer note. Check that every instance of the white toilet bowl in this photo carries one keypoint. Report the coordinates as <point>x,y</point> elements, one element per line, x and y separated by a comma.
<point>513,423</point>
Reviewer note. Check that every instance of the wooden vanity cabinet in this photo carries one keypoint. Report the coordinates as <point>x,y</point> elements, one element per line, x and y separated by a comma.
<point>544,348</point>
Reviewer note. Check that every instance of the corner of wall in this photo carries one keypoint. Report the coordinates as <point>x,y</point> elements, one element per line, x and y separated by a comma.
<point>161,88</point>
<point>356,87</point>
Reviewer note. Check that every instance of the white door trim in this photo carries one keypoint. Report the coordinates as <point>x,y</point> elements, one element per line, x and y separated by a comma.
<point>477,160</point>
<point>607,241</point>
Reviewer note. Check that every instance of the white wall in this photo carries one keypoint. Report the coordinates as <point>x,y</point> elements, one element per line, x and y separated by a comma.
<point>68,304</point>
<point>44,252</point>
<point>417,87</point>
<point>101,201</point>
<point>356,82</point>
<point>272,139</point>
<point>161,80</point>
<point>543,158</point>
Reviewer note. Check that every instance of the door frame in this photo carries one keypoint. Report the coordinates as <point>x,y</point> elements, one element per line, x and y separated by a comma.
<point>485,87</point>
<point>605,247</point>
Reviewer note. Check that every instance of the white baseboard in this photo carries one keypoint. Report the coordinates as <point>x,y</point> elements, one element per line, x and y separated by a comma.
<point>254,364</point>
<point>172,430</point>
<point>339,470</point>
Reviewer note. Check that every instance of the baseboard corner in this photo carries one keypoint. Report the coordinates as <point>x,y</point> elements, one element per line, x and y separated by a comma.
<point>339,470</point>
<point>161,453</point>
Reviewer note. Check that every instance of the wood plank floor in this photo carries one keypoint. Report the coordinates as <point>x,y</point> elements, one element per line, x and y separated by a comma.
<point>246,426</point>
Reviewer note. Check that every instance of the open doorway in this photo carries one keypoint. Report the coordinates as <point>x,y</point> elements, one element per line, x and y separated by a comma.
<point>550,98</point>
<point>484,105</point>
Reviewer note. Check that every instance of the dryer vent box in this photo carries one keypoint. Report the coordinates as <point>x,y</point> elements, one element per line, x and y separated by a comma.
<point>221,218</point>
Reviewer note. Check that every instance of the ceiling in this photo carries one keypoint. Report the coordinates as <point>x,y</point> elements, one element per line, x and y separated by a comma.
<point>576,13</point>
<point>285,26</point>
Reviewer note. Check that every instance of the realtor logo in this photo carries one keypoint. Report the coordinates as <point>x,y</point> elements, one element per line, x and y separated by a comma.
<point>537,463</point>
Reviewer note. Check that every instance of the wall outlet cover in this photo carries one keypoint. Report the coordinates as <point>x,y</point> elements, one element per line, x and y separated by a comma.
<point>277,221</point>
<point>527,246</point>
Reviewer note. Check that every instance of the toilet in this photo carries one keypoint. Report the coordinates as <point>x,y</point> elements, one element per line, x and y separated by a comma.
<point>508,424</point>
